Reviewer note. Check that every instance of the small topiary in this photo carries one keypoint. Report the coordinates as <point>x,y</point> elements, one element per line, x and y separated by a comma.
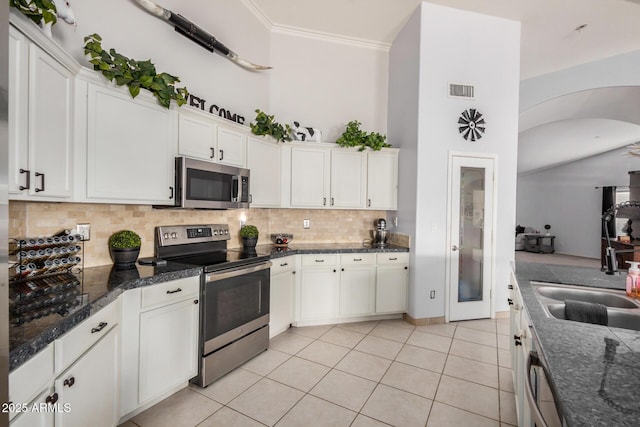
<point>125,239</point>
<point>249,231</point>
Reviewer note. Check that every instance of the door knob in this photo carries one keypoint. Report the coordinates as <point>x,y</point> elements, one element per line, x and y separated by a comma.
<point>455,248</point>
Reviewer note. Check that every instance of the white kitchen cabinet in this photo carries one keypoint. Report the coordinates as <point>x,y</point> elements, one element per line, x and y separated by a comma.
<point>382,179</point>
<point>357,286</point>
<point>391,282</point>
<point>130,148</point>
<point>29,382</point>
<point>348,179</point>
<point>88,392</point>
<point>283,274</point>
<point>160,342</point>
<point>264,160</point>
<point>204,136</point>
<point>310,177</point>
<point>32,418</point>
<point>520,346</point>
<point>318,287</point>
<point>41,91</point>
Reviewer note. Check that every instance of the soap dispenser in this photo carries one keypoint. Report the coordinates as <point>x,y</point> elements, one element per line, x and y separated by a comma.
<point>633,279</point>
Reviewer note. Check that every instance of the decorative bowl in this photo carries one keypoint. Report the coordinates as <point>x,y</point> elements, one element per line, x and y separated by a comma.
<point>281,239</point>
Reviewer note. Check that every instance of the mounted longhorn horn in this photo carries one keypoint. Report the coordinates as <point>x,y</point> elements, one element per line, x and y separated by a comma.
<point>197,34</point>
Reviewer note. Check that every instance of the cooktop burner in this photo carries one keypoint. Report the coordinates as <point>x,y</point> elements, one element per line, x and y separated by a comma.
<point>213,261</point>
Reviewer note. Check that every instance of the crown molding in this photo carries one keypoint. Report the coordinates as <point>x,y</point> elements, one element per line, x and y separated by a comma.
<point>312,34</point>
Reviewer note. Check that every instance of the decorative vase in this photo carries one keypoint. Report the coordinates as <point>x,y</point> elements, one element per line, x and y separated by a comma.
<point>124,257</point>
<point>249,243</point>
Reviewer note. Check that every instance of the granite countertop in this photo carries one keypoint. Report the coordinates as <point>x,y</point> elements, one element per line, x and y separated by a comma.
<point>102,285</point>
<point>590,389</point>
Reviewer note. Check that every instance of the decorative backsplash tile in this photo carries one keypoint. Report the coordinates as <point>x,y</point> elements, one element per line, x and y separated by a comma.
<point>39,218</point>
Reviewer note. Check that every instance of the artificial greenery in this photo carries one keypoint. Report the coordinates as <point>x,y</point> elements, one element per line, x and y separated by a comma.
<point>266,125</point>
<point>125,239</point>
<point>249,231</point>
<point>135,74</point>
<point>37,10</point>
<point>353,136</point>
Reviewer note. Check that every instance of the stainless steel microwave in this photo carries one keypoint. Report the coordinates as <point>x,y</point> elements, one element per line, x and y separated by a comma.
<point>206,185</point>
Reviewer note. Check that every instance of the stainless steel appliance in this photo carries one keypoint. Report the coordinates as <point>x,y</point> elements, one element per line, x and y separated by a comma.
<point>207,185</point>
<point>234,295</point>
<point>380,236</point>
<point>544,412</point>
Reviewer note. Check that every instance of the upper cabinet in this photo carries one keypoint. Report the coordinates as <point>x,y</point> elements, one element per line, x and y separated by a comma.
<point>203,136</point>
<point>130,147</point>
<point>41,91</point>
<point>264,160</point>
<point>323,176</point>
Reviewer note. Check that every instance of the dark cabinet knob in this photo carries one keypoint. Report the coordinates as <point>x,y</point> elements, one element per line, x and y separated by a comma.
<point>69,382</point>
<point>195,301</point>
<point>510,286</point>
<point>517,339</point>
<point>52,399</point>
<point>510,301</point>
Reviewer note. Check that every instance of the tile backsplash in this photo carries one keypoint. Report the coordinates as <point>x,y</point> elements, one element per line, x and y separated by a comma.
<point>40,218</point>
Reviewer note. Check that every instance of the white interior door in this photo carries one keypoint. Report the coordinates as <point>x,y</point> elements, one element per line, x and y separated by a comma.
<point>470,237</point>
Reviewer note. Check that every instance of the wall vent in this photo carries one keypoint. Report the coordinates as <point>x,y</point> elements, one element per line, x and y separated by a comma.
<point>461,91</point>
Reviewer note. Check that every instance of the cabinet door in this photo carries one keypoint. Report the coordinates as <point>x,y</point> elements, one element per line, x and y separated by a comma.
<point>88,390</point>
<point>34,418</point>
<point>317,293</point>
<point>197,135</point>
<point>382,180</point>
<point>357,290</point>
<point>50,125</point>
<point>130,148</point>
<point>18,112</point>
<point>391,289</point>
<point>348,179</point>
<point>309,177</point>
<point>264,162</point>
<point>168,348</point>
<point>231,147</point>
<point>281,302</point>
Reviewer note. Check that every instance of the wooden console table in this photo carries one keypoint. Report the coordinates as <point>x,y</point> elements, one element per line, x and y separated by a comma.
<point>540,243</point>
<point>621,258</point>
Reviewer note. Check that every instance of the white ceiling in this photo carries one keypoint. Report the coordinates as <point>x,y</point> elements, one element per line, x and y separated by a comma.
<point>549,42</point>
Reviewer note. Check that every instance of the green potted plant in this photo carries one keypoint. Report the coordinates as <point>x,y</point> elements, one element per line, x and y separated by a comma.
<point>353,136</point>
<point>249,234</point>
<point>124,247</point>
<point>266,125</point>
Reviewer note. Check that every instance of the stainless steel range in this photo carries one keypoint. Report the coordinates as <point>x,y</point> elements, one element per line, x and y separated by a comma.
<point>234,314</point>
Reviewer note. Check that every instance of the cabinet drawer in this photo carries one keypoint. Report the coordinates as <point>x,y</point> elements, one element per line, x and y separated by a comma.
<point>319,260</point>
<point>282,265</point>
<point>357,259</point>
<point>393,258</point>
<point>32,377</point>
<point>170,292</point>
<point>75,342</point>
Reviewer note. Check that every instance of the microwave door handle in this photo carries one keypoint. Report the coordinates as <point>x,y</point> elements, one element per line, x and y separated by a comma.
<point>235,188</point>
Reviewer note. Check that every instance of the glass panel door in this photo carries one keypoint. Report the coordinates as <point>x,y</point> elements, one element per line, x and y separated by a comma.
<point>471,234</point>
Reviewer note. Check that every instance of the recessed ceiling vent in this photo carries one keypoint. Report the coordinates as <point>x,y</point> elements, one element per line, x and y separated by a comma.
<point>461,91</point>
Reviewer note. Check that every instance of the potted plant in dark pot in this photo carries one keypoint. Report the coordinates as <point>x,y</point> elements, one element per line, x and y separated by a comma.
<point>124,247</point>
<point>249,234</point>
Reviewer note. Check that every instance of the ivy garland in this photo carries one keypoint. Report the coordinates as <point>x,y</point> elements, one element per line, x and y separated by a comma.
<point>37,10</point>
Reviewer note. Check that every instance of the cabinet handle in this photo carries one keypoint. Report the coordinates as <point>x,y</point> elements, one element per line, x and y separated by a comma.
<point>334,270</point>
<point>100,327</point>
<point>52,399</point>
<point>213,153</point>
<point>393,259</point>
<point>195,301</point>
<point>319,260</point>
<point>41,188</point>
<point>324,201</point>
<point>170,193</point>
<point>27,185</point>
<point>406,268</point>
<point>368,203</point>
<point>517,339</point>
<point>510,301</point>
<point>357,259</point>
<point>332,201</point>
<point>340,269</point>
<point>284,264</point>
<point>69,382</point>
<point>221,154</point>
<point>510,286</point>
<point>293,272</point>
<point>174,291</point>
<point>250,198</point>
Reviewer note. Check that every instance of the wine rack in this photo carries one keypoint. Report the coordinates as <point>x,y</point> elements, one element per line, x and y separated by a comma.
<point>44,276</point>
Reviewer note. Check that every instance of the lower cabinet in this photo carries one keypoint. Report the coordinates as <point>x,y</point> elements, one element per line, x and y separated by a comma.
<point>318,283</point>
<point>283,273</point>
<point>520,347</point>
<point>88,392</point>
<point>391,282</point>
<point>159,341</point>
<point>36,418</point>
<point>357,289</point>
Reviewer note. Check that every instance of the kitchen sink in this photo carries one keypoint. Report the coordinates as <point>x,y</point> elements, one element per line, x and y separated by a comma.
<point>622,311</point>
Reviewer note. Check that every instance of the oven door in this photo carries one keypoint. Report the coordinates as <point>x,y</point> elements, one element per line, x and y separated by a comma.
<point>235,303</point>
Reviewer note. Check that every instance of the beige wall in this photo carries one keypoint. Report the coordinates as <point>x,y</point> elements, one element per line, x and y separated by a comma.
<point>29,219</point>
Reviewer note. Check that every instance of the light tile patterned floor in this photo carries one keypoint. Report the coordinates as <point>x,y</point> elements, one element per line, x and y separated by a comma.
<point>362,374</point>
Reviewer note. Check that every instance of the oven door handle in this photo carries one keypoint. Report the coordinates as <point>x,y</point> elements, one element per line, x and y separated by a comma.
<point>532,360</point>
<point>234,272</point>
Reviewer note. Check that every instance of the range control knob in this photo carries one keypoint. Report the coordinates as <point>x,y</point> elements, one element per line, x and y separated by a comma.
<point>174,235</point>
<point>215,232</point>
<point>226,232</point>
<point>165,235</point>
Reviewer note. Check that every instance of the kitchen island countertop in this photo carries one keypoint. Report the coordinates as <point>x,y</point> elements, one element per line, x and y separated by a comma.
<point>590,389</point>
